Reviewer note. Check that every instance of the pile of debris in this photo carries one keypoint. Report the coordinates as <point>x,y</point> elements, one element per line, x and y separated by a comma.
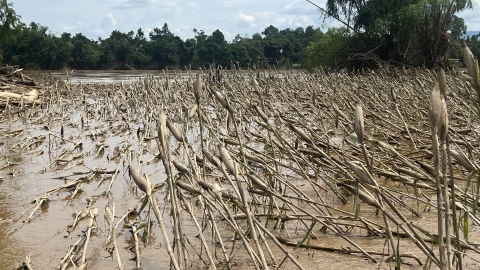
<point>16,88</point>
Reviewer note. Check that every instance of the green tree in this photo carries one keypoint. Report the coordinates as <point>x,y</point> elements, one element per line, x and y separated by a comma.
<point>189,53</point>
<point>140,56</point>
<point>64,53</point>
<point>217,37</point>
<point>327,50</point>
<point>36,47</point>
<point>200,36</point>
<point>309,31</point>
<point>33,47</point>
<point>201,58</point>
<point>474,44</point>
<point>255,49</point>
<point>217,49</point>
<point>85,54</point>
<point>240,53</point>
<point>8,21</point>
<point>165,47</point>
<point>238,38</point>
<point>405,32</point>
<point>269,31</point>
<point>121,46</point>
<point>457,27</point>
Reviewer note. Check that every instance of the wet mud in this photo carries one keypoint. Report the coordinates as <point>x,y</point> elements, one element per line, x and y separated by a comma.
<point>70,154</point>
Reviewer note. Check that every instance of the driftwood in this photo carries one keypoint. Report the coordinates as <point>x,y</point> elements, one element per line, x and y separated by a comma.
<point>19,86</point>
<point>8,70</point>
<point>29,98</point>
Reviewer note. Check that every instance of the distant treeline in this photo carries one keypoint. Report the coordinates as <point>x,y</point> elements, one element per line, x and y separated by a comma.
<point>33,46</point>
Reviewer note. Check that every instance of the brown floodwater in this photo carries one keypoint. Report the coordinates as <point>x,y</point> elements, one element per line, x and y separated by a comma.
<point>46,238</point>
<point>97,76</point>
<point>28,170</point>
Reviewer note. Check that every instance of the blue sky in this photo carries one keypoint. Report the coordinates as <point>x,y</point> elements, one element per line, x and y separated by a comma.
<point>97,18</point>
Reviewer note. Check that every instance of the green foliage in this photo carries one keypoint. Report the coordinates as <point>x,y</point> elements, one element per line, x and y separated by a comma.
<point>269,31</point>
<point>31,43</point>
<point>165,48</point>
<point>403,32</point>
<point>474,44</point>
<point>85,55</point>
<point>36,47</point>
<point>327,48</point>
<point>8,20</point>
<point>457,27</point>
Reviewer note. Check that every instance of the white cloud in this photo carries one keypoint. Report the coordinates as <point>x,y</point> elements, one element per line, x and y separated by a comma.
<point>170,6</point>
<point>104,28</point>
<point>244,20</point>
<point>191,5</point>
<point>108,23</point>
<point>281,21</point>
<point>79,27</point>
<point>129,4</point>
<point>472,20</point>
<point>180,31</point>
<point>300,7</point>
<point>228,36</point>
<point>265,14</point>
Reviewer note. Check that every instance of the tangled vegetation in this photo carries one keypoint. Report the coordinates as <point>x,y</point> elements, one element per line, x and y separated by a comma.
<point>249,168</point>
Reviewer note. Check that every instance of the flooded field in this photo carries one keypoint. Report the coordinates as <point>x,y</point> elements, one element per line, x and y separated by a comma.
<point>96,76</point>
<point>255,171</point>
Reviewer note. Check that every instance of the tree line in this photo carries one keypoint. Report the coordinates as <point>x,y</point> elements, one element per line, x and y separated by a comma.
<point>34,46</point>
<point>400,33</point>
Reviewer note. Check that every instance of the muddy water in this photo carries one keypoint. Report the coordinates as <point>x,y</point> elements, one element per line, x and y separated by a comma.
<point>30,174</point>
<point>26,175</point>
<point>109,76</point>
<point>29,170</point>
<point>46,237</point>
<point>97,76</point>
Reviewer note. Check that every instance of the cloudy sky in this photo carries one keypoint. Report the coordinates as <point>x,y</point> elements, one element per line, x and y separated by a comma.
<point>97,18</point>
